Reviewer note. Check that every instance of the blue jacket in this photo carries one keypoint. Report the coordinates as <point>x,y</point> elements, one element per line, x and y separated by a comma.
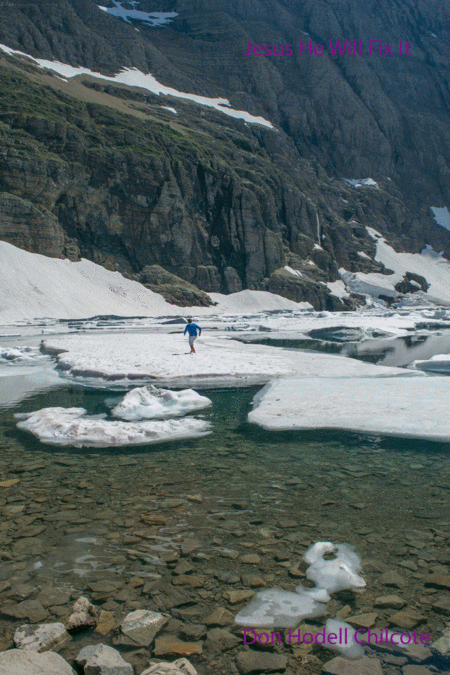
<point>192,328</point>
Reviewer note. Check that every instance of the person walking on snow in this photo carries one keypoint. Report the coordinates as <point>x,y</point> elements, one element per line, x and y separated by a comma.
<point>192,329</point>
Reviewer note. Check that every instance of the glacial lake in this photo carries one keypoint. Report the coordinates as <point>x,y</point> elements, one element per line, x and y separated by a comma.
<point>114,524</point>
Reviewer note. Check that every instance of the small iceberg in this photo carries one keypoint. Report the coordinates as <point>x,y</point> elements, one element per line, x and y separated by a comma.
<point>284,609</point>
<point>334,575</point>
<point>277,608</point>
<point>440,363</point>
<point>72,426</point>
<point>151,402</point>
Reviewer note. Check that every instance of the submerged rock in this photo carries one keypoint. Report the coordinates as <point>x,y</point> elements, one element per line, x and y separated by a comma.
<point>103,660</point>
<point>84,615</point>
<point>41,637</point>
<point>142,625</point>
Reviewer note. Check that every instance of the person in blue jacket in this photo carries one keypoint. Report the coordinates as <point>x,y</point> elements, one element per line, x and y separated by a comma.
<point>192,329</point>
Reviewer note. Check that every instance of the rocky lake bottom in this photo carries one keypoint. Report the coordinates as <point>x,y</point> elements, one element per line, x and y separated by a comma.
<point>195,528</point>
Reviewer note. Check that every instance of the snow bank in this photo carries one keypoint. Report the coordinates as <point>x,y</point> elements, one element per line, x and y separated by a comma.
<point>357,182</point>
<point>133,77</point>
<point>428,264</point>
<point>121,360</point>
<point>253,301</point>
<point>150,402</point>
<point>393,406</point>
<point>71,426</point>
<point>33,285</point>
<point>441,216</point>
<point>440,363</point>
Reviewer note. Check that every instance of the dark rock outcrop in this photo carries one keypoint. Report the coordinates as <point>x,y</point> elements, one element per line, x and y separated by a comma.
<point>103,171</point>
<point>173,289</point>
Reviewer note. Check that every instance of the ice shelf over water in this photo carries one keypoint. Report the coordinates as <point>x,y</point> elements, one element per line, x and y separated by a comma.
<point>440,363</point>
<point>118,360</point>
<point>151,402</point>
<point>393,406</point>
<point>72,426</point>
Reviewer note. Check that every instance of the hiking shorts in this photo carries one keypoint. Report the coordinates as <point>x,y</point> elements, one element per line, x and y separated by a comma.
<point>191,339</point>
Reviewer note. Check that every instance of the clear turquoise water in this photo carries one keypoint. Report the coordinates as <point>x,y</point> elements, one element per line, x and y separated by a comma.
<point>258,492</point>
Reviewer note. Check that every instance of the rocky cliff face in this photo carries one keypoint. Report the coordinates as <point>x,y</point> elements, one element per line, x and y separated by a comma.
<point>103,171</point>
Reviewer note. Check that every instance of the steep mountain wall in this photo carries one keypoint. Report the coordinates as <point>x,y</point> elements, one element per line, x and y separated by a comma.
<point>103,171</point>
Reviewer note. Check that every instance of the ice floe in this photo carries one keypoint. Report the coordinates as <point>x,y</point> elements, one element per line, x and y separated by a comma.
<point>283,609</point>
<point>440,363</point>
<point>337,574</point>
<point>118,360</point>
<point>151,402</point>
<point>135,78</point>
<point>393,406</point>
<point>151,19</point>
<point>72,426</point>
<point>21,356</point>
<point>276,608</point>
<point>348,647</point>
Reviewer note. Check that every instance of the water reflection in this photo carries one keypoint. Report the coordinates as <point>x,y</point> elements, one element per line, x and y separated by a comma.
<point>400,351</point>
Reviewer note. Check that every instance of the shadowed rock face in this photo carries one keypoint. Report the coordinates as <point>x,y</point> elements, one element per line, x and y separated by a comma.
<point>104,172</point>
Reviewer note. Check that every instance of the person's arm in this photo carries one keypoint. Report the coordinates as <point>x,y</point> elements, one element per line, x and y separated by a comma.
<point>185,330</point>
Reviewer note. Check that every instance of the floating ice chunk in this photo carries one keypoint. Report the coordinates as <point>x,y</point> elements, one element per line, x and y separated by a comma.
<point>347,646</point>
<point>277,608</point>
<point>439,363</point>
<point>150,402</point>
<point>21,355</point>
<point>338,574</point>
<point>71,426</point>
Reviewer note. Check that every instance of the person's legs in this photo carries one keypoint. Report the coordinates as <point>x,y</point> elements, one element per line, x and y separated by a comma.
<point>191,343</point>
